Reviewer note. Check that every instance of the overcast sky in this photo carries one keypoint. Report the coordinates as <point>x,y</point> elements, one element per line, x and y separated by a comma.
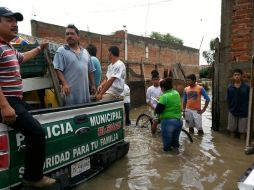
<point>189,20</point>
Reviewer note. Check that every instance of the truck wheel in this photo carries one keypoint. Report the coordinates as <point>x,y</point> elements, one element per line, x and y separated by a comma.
<point>144,121</point>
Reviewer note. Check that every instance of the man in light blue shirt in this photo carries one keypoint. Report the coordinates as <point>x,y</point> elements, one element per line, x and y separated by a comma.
<point>74,69</point>
<point>92,50</point>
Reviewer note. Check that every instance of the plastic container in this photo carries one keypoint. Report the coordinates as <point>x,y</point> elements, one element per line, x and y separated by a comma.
<point>35,67</point>
<point>50,99</point>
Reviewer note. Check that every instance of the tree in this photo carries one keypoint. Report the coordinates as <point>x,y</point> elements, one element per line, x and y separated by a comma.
<point>210,54</point>
<point>204,73</point>
<point>168,38</point>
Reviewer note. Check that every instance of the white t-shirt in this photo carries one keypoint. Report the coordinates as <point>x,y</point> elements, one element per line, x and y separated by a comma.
<point>153,92</point>
<point>117,70</point>
<point>126,94</point>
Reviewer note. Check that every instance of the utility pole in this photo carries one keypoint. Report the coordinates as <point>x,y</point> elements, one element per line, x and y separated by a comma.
<point>249,149</point>
<point>126,51</point>
<point>125,44</point>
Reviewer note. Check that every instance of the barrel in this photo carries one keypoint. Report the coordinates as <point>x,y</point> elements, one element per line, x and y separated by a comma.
<point>50,99</point>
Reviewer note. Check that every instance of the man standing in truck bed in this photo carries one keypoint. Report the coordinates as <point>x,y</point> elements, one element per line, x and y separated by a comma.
<point>74,67</point>
<point>13,109</point>
<point>112,86</point>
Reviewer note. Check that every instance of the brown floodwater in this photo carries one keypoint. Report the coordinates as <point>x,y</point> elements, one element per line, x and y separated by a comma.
<point>213,161</point>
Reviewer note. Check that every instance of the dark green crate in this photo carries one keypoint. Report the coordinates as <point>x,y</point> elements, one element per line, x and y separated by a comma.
<point>35,67</point>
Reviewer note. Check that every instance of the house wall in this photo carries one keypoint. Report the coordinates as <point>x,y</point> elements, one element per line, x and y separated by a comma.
<point>160,54</point>
<point>144,54</point>
<point>235,49</point>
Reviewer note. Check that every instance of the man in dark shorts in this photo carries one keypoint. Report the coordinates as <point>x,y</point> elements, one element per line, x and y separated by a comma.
<point>238,100</point>
<point>13,109</point>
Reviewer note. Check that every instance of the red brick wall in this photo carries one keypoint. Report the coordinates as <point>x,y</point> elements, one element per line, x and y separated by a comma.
<point>161,55</point>
<point>241,32</point>
<point>235,49</point>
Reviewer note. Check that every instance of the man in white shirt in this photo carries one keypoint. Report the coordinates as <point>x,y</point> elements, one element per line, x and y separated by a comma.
<point>152,96</point>
<point>113,85</point>
<point>153,93</point>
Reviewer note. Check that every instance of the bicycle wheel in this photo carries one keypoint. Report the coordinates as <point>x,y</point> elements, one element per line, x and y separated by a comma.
<point>144,121</point>
<point>188,135</point>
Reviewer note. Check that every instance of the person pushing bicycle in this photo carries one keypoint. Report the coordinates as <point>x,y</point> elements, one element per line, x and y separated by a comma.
<point>152,96</point>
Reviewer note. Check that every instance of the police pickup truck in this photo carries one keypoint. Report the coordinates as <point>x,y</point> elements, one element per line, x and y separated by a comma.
<point>81,140</point>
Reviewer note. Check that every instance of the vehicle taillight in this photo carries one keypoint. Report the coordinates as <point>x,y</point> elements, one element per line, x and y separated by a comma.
<point>3,143</point>
<point>4,160</point>
<point>4,151</point>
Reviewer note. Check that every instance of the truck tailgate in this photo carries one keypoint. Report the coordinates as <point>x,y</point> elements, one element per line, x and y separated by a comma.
<point>72,133</point>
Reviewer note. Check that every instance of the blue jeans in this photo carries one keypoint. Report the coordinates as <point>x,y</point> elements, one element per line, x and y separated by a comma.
<point>34,139</point>
<point>127,107</point>
<point>170,130</point>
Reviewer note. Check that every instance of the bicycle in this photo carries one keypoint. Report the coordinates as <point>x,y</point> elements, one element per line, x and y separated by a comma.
<point>145,120</point>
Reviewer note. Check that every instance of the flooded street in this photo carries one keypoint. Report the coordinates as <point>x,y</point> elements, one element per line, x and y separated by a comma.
<point>213,161</point>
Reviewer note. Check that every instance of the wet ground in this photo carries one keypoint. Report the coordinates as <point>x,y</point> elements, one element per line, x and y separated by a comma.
<point>213,161</point>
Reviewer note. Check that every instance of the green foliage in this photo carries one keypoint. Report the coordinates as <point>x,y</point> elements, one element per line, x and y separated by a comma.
<point>206,72</point>
<point>168,38</point>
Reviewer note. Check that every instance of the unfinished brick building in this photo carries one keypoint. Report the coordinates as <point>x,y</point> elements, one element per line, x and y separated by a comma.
<point>144,54</point>
<point>234,50</point>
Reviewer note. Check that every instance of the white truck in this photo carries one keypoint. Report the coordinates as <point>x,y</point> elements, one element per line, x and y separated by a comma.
<point>81,140</point>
